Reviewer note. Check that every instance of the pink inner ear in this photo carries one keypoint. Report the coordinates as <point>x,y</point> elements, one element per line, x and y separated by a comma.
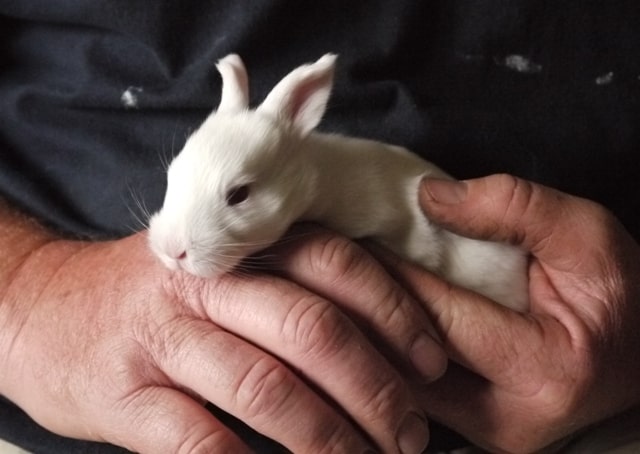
<point>307,102</point>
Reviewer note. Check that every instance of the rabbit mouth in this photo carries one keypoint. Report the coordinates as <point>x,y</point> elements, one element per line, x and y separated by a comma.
<point>214,262</point>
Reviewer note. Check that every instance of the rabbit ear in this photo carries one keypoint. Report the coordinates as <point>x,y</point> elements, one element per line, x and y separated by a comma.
<point>301,97</point>
<point>235,84</point>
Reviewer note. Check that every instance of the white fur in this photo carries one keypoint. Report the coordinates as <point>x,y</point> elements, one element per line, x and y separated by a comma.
<point>358,187</point>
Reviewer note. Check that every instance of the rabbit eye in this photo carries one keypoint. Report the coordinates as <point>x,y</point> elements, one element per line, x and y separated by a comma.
<point>238,194</point>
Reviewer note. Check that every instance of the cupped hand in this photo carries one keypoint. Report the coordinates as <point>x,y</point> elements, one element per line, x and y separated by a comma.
<point>524,381</point>
<point>98,341</point>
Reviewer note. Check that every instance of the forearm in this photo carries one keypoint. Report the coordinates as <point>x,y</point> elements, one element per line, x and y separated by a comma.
<point>20,236</point>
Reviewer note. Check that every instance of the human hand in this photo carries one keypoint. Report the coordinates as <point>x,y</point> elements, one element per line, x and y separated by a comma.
<point>98,341</point>
<point>528,380</point>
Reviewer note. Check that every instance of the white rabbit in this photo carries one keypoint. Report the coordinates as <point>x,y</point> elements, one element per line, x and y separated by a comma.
<point>246,175</point>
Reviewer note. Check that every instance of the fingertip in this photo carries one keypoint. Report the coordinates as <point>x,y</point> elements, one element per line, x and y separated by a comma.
<point>441,191</point>
<point>428,357</point>
<point>443,201</point>
<point>413,434</point>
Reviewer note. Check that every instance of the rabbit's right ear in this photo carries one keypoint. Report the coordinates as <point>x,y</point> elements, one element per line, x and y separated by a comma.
<point>235,84</point>
<point>300,98</point>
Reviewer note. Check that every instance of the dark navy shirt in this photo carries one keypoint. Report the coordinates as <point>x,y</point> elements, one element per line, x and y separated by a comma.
<point>95,96</point>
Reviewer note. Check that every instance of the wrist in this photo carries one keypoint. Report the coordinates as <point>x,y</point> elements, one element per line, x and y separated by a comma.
<point>20,239</point>
<point>20,236</point>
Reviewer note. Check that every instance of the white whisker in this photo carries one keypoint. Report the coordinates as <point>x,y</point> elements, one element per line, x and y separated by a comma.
<point>139,211</point>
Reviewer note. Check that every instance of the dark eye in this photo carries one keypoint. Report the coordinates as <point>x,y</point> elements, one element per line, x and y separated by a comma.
<point>237,195</point>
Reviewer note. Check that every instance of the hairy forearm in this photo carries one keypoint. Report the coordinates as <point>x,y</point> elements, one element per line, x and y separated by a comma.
<point>20,236</point>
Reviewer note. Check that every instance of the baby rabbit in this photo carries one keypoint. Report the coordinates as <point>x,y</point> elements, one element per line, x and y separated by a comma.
<point>246,175</point>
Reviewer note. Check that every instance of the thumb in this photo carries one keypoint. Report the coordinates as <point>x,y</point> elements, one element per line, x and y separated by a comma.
<point>504,208</point>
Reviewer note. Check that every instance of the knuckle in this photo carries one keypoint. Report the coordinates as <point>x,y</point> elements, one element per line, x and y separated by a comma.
<point>204,297</point>
<point>263,392</point>
<point>608,228</point>
<point>134,406</point>
<point>387,402</point>
<point>328,434</point>
<point>316,328</point>
<point>172,340</point>
<point>204,443</point>
<point>506,181</point>
<point>184,288</point>
<point>519,198</point>
<point>394,308</point>
<point>508,185</point>
<point>335,437</point>
<point>334,256</point>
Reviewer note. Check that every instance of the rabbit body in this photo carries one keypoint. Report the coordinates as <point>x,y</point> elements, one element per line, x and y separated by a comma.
<point>367,189</point>
<point>246,175</point>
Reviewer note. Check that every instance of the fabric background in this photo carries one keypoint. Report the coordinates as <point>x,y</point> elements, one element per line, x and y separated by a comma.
<point>429,75</point>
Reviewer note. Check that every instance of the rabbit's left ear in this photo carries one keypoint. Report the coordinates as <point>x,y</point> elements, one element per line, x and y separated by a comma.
<point>235,84</point>
<point>301,97</point>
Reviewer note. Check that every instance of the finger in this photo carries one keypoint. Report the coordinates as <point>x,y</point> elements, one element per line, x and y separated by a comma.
<point>167,420</point>
<point>323,344</point>
<point>504,208</point>
<point>342,272</point>
<point>475,331</point>
<point>252,386</point>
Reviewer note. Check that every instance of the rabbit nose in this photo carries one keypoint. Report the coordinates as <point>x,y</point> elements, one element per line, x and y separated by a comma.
<point>182,255</point>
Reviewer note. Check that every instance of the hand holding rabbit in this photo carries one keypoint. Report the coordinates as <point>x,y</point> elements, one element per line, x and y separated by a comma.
<point>530,379</point>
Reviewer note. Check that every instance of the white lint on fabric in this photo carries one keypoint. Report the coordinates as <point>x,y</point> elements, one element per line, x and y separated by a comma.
<point>129,97</point>
<point>519,63</point>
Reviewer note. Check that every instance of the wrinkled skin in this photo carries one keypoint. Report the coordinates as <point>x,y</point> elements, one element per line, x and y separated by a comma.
<point>524,381</point>
<point>98,341</point>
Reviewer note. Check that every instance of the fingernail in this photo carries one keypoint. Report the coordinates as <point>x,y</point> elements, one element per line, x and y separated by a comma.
<point>427,357</point>
<point>448,192</point>
<point>413,435</point>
